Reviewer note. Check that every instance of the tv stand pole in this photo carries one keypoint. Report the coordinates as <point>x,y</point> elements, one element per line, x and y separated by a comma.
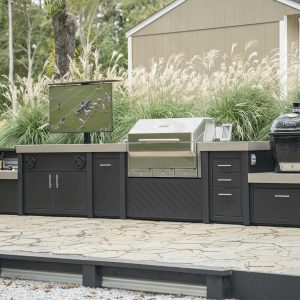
<point>87,138</point>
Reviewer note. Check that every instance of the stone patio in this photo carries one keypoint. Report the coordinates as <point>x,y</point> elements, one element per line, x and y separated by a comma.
<point>261,249</point>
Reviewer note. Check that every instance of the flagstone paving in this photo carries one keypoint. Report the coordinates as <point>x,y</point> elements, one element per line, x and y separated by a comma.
<point>262,249</point>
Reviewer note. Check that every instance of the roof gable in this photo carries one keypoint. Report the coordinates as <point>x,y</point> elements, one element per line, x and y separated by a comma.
<point>292,3</point>
<point>154,17</point>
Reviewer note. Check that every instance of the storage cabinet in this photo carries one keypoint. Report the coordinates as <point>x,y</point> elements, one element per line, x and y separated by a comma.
<point>109,185</point>
<point>177,199</point>
<point>55,184</point>
<point>9,196</point>
<point>275,204</point>
<point>225,191</point>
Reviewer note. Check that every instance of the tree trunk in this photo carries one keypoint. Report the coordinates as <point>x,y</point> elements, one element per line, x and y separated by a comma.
<point>64,37</point>
<point>11,58</point>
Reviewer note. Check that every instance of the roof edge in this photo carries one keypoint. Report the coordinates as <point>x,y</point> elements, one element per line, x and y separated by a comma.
<point>290,3</point>
<point>154,17</point>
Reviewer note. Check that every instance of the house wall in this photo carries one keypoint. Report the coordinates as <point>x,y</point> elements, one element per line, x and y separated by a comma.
<point>199,42</point>
<point>197,26</point>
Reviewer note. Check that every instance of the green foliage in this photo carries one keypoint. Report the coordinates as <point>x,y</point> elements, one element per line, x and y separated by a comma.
<point>55,7</point>
<point>251,110</point>
<point>29,126</point>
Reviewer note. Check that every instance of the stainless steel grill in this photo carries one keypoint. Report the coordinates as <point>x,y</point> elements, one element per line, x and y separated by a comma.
<point>167,147</point>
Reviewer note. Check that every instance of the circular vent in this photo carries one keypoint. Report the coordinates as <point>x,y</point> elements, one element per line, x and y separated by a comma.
<point>79,161</point>
<point>30,161</point>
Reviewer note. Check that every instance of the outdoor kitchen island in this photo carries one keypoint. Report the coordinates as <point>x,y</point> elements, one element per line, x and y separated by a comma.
<point>92,180</point>
<point>72,180</point>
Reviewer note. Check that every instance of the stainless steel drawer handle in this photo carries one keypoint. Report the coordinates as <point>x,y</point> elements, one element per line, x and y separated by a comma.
<point>105,165</point>
<point>282,196</point>
<point>225,195</point>
<point>224,166</point>
<point>56,181</point>
<point>159,140</point>
<point>224,180</point>
<point>50,181</point>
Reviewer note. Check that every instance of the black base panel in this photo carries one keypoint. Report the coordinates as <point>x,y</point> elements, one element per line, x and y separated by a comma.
<point>263,286</point>
<point>221,283</point>
<point>8,196</point>
<point>165,199</point>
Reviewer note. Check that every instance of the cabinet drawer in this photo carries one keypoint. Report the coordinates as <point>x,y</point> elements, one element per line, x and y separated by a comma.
<point>276,206</point>
<point>227,165</point>
<point>226,179</point>
<point>140,173</point>
<point>163,173</point>
<point>226,203</point>
<point>186,173</point>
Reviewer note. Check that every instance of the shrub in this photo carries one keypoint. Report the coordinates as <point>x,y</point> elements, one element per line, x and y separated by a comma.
<point>28,126</point>
<point>249,108</point>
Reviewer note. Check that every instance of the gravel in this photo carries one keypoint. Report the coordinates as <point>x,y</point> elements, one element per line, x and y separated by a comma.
<point>14,289</point>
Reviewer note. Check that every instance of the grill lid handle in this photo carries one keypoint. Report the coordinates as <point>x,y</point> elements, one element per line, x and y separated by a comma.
<point>159,140</point>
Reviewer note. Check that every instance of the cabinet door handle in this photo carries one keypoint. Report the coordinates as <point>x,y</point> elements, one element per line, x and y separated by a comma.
<point>105,165</point>
<point>56,181</point>
<point>224,166</point>
<point>224,180</point>
<point>282,196</point>
<point>50,181</point>
<point>225,195</point>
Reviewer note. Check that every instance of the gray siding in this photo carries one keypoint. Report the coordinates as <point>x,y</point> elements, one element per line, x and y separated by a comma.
<point>196,26</point>
<point>199,42</point>
<point>206,14</point>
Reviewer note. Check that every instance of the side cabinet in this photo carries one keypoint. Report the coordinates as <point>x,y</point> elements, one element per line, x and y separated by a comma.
<point>109,185</point>
<point>9,196</point>
<point>228,187</point>
<point>55,184</point>
<point>275,204</point>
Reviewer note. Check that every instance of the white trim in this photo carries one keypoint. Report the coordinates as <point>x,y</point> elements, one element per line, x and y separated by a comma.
<point>298,51</point>
<point>154,17</point>
<point>290,3</point>
<point>283,45</point>
<point>130,59</point>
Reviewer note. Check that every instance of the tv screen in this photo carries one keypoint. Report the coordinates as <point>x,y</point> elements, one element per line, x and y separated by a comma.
<point>81,107</point>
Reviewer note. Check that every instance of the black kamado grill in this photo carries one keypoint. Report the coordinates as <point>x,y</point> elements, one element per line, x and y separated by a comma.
<point>285,141</point>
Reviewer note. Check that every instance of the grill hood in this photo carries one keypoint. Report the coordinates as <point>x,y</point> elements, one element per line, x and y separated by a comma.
<point>169,134</point>
<point>167,147</point>
<point>288,124</point>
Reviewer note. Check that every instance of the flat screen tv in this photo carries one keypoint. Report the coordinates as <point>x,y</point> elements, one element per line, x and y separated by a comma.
<point>80,107</point>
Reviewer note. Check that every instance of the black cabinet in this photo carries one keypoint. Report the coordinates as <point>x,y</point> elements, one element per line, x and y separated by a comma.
<point>39,192</point>
<point>55,184</point>
<point>176,199</point>
<point>70,193</point>
<point>227,182</point>
<point>8,196</point>
<point>275,204</point>
<point>109,185</point>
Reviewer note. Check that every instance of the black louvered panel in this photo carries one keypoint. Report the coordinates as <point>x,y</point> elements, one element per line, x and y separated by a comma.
<point>165,199</point>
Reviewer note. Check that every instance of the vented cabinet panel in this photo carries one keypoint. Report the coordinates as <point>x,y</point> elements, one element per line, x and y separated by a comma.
<point>165,199</point>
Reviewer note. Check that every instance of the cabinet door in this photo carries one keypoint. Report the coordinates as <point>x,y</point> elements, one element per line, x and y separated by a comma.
<point>39,192</point>
<point>276,206</point>
<point>107,187</point>
<point>70,193</point>
<point>9,196</point>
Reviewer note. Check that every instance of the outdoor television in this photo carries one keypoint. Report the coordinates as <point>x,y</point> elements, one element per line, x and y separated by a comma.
<point>80,107</point>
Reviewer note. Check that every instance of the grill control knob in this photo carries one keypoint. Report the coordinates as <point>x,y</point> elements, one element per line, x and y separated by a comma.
<point>79,161</point>
<point>30,161</point>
